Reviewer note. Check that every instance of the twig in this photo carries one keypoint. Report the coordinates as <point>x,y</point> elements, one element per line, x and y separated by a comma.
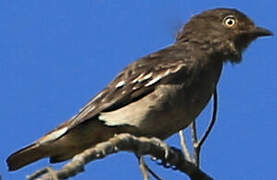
<point>153,173</point>
<point>184,145</point>
<point>211,124</point>
<point>198,144</point>
<point>138,145</point>
<point>143,168</point>
<point>42,171</point>
<point>196,150</point>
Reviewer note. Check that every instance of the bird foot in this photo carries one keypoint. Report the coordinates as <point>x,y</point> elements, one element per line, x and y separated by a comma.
<point>163,145</point>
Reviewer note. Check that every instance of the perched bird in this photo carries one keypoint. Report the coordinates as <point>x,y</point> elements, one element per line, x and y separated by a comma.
<point>157,95</point>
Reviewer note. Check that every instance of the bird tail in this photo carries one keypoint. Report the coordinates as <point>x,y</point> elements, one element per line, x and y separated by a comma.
<point>25,156</point>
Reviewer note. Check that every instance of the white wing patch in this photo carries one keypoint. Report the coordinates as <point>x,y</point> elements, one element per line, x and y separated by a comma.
<point>98,96</point>
<point>53,136</point>
<point>166,73</point>
<point>120,84</point>
<point>137,78</point>
<point>178,68</point>
<point>153,81</point>
<point>147,76</point>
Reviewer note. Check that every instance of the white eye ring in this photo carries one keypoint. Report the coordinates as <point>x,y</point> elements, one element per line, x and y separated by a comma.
<point>229,21</point>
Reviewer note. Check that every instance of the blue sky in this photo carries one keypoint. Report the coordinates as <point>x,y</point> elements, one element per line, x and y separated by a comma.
<point>56,55</point>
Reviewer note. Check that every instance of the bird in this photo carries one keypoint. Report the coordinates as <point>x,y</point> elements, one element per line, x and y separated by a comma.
<point>156,95</point>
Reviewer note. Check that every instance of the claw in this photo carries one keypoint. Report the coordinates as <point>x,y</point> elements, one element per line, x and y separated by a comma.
<point>163,145</point>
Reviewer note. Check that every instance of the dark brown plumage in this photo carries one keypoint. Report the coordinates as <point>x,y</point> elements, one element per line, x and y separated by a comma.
<point>157,95</point>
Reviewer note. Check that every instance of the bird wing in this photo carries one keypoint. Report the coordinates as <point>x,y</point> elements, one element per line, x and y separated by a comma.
<point>133,83</point>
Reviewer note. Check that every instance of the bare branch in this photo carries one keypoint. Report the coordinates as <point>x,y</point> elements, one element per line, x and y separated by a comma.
<point>184,146</point>
<point>143,168</point>
<point>198,144</point>
<point>196,150</point>
<point>138,145</point>
<point>36,175</point>
<point>211,124</point>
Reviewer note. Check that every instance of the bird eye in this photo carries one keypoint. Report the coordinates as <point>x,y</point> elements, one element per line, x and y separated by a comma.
<point>229,21</point>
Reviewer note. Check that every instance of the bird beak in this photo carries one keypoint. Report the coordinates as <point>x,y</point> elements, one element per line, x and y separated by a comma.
<point>260,31</point>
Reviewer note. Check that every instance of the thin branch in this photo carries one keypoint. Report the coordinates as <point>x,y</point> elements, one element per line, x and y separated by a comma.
<point>137,145</point>
<point>36,175</point>
<point>198,144</point>
<point>147,169</point>
<point>153,173</point>
<point>143,168</point>
<point>196,150</point>
<point>212,123</point>
<point>184,145</point>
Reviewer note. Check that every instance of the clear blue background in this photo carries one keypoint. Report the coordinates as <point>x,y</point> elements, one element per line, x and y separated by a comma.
<point>56,55</point>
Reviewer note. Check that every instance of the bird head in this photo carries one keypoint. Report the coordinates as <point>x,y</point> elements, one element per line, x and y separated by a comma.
<point>225,32</point>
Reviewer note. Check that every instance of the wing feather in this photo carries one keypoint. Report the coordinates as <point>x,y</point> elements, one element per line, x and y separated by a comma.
<point>134,82</point>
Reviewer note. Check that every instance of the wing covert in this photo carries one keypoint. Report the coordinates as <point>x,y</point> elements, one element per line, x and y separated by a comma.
<point>134,82</point>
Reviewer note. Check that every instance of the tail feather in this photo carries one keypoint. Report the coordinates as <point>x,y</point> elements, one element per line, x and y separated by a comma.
<point>25,156</point>
<point>61,145</point>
